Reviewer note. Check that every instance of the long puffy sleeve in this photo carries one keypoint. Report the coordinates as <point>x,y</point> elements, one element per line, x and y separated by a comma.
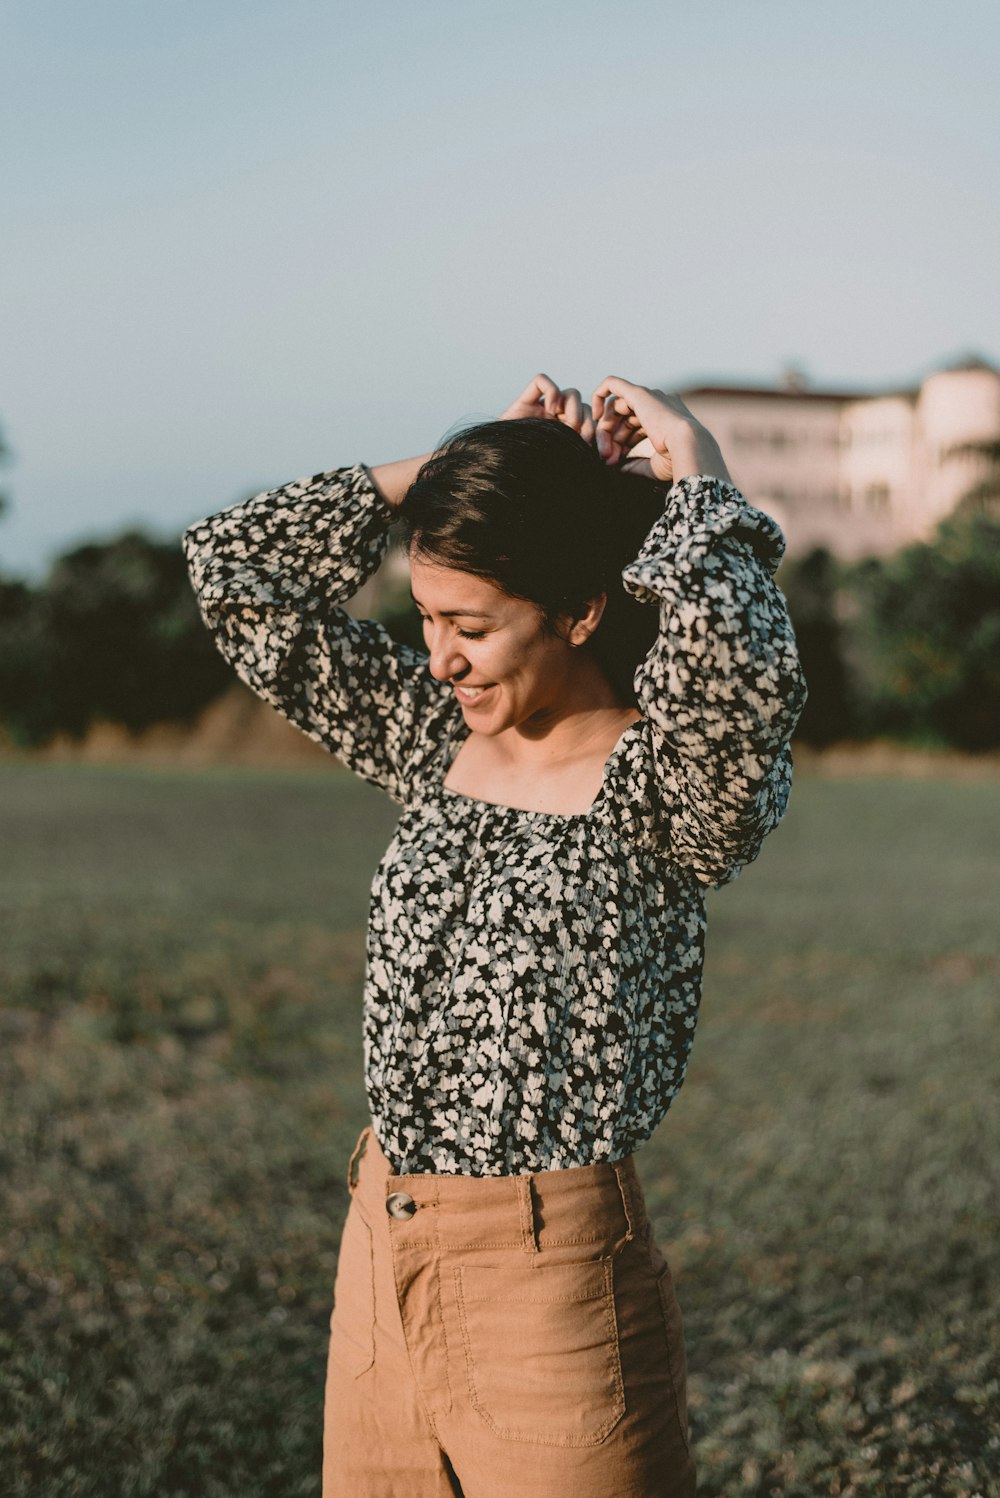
<point>270,575</point>
<point>722,687</point>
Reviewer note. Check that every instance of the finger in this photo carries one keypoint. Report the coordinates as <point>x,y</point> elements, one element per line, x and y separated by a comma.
<point>600,397</point>
<point>616,415</point>
<point>632,439</point>
<point>630,431</point>
<point>539,391</point>
<point>587,427</point>
<point>552,396</point>
<point>619,430</point>
<point>605,426</point>
<point>610,387</point>
<point>623,437</point>
<point>610,412</point>
<point>572,409</point>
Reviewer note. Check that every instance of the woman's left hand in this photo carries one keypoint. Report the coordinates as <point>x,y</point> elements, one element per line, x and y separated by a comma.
<point>543,398</point>
<point>636,426</point>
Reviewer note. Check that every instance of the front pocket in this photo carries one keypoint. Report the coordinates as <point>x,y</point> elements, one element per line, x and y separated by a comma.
<point>352,1322</point>
<point>541,1348</point>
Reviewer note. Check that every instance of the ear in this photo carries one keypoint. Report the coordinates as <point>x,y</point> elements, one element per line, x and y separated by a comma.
<point>581,625</point>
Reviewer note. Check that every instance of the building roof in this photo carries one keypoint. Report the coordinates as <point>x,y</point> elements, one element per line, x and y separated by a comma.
<point>777,392</point>
<point>794,385</point>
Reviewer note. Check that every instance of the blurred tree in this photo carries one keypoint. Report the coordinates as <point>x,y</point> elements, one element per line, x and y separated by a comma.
<point>929,636</point>
<point>113,632</point>
<point>396,609</point>
<point>811,587</point>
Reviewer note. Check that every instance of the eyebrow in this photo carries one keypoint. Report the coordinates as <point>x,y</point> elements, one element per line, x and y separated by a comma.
<point>454,613</point>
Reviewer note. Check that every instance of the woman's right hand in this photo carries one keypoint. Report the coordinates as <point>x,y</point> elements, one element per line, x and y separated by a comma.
<point>542,398</point>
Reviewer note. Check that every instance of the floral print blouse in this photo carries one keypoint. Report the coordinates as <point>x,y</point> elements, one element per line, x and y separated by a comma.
<point>533,979</point>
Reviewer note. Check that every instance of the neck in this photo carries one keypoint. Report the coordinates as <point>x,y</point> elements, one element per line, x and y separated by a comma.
<point>583,719</point>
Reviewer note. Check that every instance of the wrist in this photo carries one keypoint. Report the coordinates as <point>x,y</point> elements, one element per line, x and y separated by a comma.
<point>696,452</point>
<point>392,480</point>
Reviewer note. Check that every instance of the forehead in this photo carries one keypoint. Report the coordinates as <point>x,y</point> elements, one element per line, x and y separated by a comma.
<point>447,590</point>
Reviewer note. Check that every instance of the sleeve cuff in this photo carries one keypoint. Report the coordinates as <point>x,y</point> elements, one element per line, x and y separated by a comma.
<point>700,512</point>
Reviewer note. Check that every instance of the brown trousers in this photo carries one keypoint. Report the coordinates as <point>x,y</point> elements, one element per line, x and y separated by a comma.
<point>503,1337</point>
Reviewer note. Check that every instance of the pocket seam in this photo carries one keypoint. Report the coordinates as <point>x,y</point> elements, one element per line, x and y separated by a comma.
<point>618,1406</point>
<point>341,1339</point>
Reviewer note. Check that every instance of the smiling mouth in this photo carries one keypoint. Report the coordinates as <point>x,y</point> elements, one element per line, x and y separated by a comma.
<point>471,694</point>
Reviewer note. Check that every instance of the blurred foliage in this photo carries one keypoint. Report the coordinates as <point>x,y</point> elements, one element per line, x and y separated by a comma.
<point>905,646</point>
<point>929,637</point>
<point>400,615</point>
<point>112,632</point>
<point>811,588</point>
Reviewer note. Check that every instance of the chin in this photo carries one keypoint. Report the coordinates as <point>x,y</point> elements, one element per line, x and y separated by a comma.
<point>481,723</point>
<point>486,723</point>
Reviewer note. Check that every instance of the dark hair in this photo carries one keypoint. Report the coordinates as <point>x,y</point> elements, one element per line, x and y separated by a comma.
<point>530,506</point>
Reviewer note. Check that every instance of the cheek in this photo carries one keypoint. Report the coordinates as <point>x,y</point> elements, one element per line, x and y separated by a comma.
<point>531,661</point>
<point>518,656</point>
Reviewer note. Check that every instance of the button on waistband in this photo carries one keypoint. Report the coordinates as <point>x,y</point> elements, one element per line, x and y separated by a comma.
<point>400,1206</point>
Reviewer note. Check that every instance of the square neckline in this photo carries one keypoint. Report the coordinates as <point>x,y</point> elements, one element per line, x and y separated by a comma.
<point>457,738</point>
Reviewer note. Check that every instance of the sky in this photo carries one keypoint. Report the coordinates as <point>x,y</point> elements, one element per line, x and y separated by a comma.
<point>245,242</point>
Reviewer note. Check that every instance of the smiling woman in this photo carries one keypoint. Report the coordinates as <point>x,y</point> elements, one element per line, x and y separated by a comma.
<point>518,533</point>
<point>514,672</point>
<point>597,732</point>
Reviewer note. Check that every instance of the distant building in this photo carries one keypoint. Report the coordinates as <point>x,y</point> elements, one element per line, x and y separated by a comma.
<point>859,472</point>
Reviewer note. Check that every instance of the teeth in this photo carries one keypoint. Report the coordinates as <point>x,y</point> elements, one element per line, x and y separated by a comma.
<point>471,692</point>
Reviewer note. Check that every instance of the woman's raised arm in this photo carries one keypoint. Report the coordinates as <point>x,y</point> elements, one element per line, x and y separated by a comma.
<point>271,575</point>
<point>722,686</point>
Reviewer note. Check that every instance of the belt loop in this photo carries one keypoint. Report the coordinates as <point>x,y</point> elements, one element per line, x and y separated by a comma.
<point>359,1149</point>
<point>529,1239</point>
<point>622,1176</point>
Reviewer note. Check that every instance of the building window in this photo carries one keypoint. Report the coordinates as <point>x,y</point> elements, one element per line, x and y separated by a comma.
<point>877,498</point>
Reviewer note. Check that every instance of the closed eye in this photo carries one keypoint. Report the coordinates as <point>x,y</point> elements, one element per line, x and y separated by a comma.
<point>466,634</point>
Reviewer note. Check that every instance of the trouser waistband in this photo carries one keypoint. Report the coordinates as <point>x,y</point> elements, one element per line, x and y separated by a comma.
<point>583,1204</point>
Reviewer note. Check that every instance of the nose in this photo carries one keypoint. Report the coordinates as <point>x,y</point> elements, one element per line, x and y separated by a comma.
<point>446,660</point>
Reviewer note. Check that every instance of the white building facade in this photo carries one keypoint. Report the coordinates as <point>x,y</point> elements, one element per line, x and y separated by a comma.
<point>857,472</point>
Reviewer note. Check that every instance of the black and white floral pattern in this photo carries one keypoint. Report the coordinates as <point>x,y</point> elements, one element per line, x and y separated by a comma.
<point>533,979</point>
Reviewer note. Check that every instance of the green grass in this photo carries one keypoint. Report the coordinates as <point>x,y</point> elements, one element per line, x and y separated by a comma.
<point>180,1084</point>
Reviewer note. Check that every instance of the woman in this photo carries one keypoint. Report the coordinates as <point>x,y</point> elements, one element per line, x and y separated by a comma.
<point>574,767</point>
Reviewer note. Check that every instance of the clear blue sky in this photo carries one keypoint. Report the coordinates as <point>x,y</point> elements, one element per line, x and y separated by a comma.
<point>245,241</point>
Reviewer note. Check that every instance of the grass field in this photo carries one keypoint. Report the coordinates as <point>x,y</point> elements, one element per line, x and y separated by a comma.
<point>180,1084</point>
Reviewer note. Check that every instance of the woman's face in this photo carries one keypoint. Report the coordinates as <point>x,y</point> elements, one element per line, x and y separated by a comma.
<point>504,668</point>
